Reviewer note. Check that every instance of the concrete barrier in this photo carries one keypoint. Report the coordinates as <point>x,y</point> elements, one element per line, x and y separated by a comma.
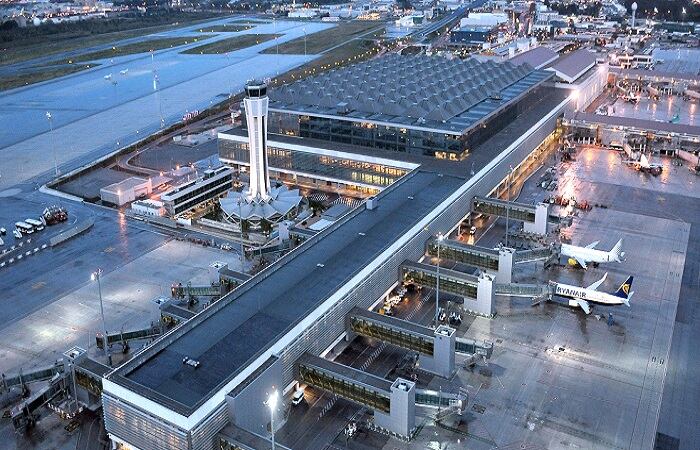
<point>71,232</point>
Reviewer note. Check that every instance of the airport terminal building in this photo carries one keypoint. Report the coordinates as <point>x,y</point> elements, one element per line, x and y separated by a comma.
<point>413,104</point>
<point>194,387</point>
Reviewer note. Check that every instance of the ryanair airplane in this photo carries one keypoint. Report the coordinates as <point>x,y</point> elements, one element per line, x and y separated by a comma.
<point>583,297</point>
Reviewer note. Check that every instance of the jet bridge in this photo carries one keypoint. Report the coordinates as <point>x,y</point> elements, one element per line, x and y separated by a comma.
<point>497,262</point>
<point>534,217</point>
<point>188,290</point>
<point>394,403</point>
<point>123,337</point>
<point>436,348</point>
<point>549,255</point>
<point>40,374</point>
<point>476,290</point>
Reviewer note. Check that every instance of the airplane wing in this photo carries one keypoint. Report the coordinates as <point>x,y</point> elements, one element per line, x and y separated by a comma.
<point>581,262</point>
<point>584,305</point>
<point>592,244</point>
<point>595,285</point>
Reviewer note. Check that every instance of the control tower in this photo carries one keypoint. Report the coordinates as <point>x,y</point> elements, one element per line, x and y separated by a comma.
<point>260,202</point>
<point>255,102</point>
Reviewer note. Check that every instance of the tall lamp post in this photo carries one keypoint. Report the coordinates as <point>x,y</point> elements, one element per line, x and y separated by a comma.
<point>96,276</point>
<point>510,180</point>
<point>440,238</point>
<point>49,117</point>
<point>272,404</point>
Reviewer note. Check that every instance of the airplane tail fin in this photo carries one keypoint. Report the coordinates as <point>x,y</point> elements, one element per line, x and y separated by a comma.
<point>624,290</point>
<point>626,301</point>
<point>617,252</point>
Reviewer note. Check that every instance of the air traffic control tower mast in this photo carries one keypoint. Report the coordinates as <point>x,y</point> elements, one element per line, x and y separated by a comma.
<point>255,102</point>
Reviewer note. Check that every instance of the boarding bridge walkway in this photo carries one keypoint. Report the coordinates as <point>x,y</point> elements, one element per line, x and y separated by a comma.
<point>481,257</point>
<point>188,290</point>
<point>534,291</point>
<point>451,281</point>
<point>171,314</point>
<point>391,330</point>
<point>123,337</point>
<point>41,374</point>
<point>475,290</point>
<point>537,254</point>
<point>502,208</point>
<point>346,382</point>
<point>233,277</point>
<point>499,262</point>
<point>22,415</point>
<point>535,218</point>
<point>442,400</point>
<point>472,347</point>
<point>435,347</point>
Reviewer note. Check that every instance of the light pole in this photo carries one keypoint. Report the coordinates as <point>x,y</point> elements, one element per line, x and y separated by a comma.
<point>49,117</point>
<point>240,221</point>
<point>508,180</point>
<point>272,403</point>
<point>440,238</point>
<point>95,276</point>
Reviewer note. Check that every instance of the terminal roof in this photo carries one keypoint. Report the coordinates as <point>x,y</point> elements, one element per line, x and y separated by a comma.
<point>537,57</point>
<point>570,67</point>
<point>232,333</point>
<point>412,91</point>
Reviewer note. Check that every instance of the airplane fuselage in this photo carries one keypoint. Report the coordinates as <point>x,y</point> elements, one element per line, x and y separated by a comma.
<point>587,254</point>
<point>589,295</point>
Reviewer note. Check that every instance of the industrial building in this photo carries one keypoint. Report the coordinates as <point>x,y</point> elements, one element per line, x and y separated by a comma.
<point>413,104</point>
<point>202,385</point>
<point>126,191</point>
<point>214,183</point>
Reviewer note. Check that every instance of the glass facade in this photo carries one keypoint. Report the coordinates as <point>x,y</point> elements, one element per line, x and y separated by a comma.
<point>447,283</point>
<point>315,165</point>
<point>344,388</point>
<point>455,252</point>
<point>391,335</point>
<point>367,134</point>
<point>398,138</point>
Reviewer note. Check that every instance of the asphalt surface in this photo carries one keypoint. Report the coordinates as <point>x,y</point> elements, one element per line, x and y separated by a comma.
<point>97,111</point>
<point>37,280</point>
<point>560,378</point>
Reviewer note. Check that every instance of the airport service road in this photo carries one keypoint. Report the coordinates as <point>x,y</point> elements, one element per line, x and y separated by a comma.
<point>92,116</point>
<point>663,110</point>
<point>128,290</point>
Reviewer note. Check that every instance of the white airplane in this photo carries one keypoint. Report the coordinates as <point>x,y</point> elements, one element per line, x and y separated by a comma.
<point>691,94</point>
<point>108,77</point>
<point>583,297</point>
<point>631,98</point>
<point>124,72</point>
<point>653,92</point>
<point>589,254</point>
<point>647,166</point>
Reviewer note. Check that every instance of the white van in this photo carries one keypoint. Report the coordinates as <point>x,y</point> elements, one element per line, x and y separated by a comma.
<point>298,397</point>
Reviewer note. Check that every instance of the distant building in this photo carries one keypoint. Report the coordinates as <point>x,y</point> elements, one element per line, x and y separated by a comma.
<point>410,20</point>
<point>148,207</point>
<point>483,20</point>
<point>303,13</point>
<point>474,35</point>
<point>126,191</point>
<point>184,197</point>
